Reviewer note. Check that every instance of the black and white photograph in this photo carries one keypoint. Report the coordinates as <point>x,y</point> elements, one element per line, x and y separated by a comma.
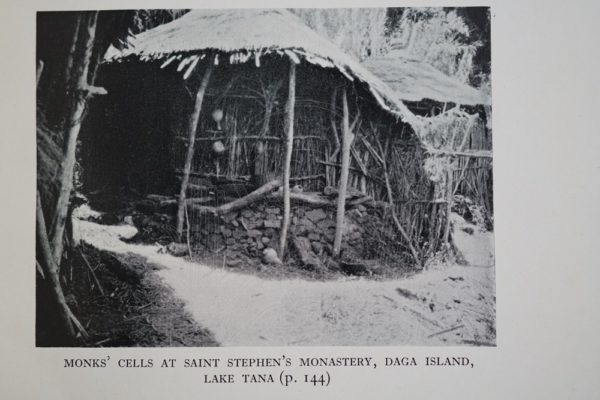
<point>265,177</point>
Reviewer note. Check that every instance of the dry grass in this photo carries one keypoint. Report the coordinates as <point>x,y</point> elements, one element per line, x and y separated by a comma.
<point>128,314</point>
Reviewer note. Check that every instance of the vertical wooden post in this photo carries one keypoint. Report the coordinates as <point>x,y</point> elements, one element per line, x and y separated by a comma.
<point>329,170</point>
<point>232,149</point>
<point>81,89</point>
<point>289,145</point>
<point>192,126</point>
<point>449,192</point>
<point>347,138</point>
<point>390,196</point>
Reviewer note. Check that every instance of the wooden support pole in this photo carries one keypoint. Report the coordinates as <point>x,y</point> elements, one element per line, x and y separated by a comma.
<point>192,126</point>
<point>347,138</point>
<point>289,146</point>
<point>270,96</point>
<point>449,196</point>
<point>390,195</point>
<point>80,72</point>
<point>329,172</point>
<point>237,204</point>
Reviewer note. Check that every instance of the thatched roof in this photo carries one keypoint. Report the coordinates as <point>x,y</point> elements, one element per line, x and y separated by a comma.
<point>248,34</point>
<point>415,81</point>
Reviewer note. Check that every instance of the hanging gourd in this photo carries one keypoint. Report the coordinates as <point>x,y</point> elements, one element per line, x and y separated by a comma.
<point>217,116</point>
<point>218,147</point>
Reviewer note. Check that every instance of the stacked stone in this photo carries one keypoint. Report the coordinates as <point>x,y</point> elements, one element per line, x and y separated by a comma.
<point>256,228</point>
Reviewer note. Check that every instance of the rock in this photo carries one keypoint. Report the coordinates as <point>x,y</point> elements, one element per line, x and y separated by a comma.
<point>229,217</point>
<point>270,256</point>
<point>303,247</point>
<point>315,215</point>
<point>177,249</point>
<point>361,267</point>
<point>468,229</point>
<point>361,208</point>
<point>270,232</point>
<point>215,242</point>
<point>305,226</point>
<point>349,227</point>
<point>316,247</point>
<point>260,245</point>
<point>253,224</point>
<point>238,234</point>
<point>355,213</point>
<point>355,235</point>
<point>326,224</point>
<point>354,268</point>
<point>247,214</point>
<point>254,233</point>
<point>235,223</point>
<point>265,239</point>
<point>112,219</point>
<point>314,236</point>
<point>271,224</point>
<point>272,210</point>
<point>234,263</point>
<point>330,234</point>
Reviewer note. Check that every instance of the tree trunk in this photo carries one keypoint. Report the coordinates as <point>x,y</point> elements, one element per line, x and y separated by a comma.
<point>192,126</point>
<point>289,142</point>
<point>80,89</point>
<point>38,72</point>
<point>50,268</point>
<point>347,138</point>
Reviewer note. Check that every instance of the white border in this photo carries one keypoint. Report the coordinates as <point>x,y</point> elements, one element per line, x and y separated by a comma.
<point>546,164</point>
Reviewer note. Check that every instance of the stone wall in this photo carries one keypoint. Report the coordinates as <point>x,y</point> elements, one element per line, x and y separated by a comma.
<point>252,230</point>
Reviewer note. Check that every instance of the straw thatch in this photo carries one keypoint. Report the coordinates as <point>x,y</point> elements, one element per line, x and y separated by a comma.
<point>414,81</point>
<point>248,34</point>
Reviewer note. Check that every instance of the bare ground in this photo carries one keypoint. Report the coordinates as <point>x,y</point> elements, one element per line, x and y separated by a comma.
<point>440,306</point>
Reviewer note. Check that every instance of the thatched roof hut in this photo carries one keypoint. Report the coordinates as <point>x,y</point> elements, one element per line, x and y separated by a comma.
<point>414,81</point>
<point>250,97</point>
<point>246,35</point>
<point>449,111</point>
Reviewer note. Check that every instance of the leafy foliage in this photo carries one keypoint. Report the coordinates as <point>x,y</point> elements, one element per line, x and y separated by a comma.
<point>148,19</point>
<point>359,31</point>
<point>440,38</point>
<point>447,38</point>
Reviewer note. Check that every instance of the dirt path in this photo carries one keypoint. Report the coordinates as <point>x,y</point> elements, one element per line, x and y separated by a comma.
<point>245,310</point>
